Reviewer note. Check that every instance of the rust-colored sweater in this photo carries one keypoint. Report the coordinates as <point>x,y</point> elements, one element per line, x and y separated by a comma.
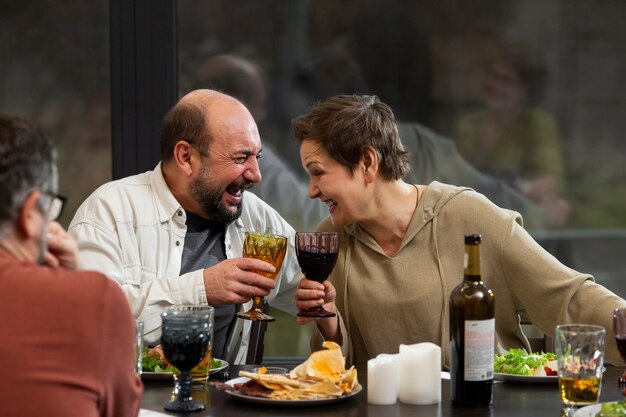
<point>67,344</point>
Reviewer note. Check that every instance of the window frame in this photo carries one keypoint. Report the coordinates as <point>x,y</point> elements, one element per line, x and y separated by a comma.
<point>144,80</point>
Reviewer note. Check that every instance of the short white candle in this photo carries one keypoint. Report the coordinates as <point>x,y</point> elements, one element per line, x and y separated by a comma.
<point>420,374</point>
<point>382,380</point>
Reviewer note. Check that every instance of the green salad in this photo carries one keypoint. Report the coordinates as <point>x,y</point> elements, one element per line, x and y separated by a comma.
<point>153,360</point>
<point>520,362</point>
<point>616,409</point>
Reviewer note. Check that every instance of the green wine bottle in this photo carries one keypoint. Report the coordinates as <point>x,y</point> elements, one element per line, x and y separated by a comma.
<point>472,333</point>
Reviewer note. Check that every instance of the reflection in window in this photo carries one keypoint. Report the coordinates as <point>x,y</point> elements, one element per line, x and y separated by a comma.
<point>55,73</point>
<point>509,137</point>
<point>432,63</point>
<point>520,99</point>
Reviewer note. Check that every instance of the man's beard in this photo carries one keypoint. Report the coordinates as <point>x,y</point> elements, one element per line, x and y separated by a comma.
<point>210,198</point>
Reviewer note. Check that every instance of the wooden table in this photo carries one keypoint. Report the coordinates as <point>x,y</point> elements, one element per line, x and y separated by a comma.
<point>509,400</point>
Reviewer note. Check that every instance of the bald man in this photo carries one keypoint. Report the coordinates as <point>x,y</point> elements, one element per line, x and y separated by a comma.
<point>284,188</point>
<point>174,235</point>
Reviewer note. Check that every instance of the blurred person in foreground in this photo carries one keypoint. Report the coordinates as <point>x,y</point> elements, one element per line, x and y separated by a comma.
<point>402,246</point>
<point>69,334</point>
<point>174,235</point>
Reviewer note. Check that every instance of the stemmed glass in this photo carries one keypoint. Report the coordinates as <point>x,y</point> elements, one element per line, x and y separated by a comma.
<point>619,328</point>
<point>271,249</point>
<point>317,255</point>
<point>185,337</point>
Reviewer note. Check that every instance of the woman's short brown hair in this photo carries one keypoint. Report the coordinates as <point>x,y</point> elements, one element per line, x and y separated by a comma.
<point>345,126</point>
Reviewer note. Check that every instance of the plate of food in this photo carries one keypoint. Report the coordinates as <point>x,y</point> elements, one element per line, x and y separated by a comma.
<point>608,409</point>
<point>244,390</point>
<point>520,366</point>
<point>526,379</point>
<point>156,367</point>
<point>321,379</point>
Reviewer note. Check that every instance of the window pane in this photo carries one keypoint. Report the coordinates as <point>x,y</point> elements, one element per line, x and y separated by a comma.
<point>55,73</point>
<point>521,99</point>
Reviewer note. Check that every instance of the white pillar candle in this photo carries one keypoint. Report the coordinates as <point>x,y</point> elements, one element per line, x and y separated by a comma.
<point>420,374</point>
<point>382,380</point>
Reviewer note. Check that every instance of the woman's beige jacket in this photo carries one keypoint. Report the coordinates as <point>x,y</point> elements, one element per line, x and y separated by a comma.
<point>384,301</point>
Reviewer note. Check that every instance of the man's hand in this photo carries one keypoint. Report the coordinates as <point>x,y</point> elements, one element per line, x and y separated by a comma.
<point>235,281</point>
<point>62,250</point>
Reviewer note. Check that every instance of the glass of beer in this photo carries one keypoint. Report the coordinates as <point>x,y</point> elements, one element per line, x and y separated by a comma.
<point>580,355</point>
<point>271,249</point>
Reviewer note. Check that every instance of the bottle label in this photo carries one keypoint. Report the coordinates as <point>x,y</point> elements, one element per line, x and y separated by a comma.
<point>479,349</point>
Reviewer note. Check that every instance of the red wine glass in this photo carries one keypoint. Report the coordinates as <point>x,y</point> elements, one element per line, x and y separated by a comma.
<point>317,255</point>
<point>619,329</point>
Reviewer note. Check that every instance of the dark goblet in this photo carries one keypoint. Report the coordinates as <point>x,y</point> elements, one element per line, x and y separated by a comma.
<point>317,255</point>
<point>185,337</point>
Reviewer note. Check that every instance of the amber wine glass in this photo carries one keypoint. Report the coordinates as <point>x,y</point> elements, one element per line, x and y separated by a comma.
<point>271,249</point>
<point>317,255</point>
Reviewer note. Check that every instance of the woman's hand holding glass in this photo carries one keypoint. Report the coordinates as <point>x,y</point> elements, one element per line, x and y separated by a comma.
<point>310,294</point>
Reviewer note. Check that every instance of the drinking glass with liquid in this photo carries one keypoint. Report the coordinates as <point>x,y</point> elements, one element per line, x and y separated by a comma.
<point>619,329</point>
<point>580,354</point>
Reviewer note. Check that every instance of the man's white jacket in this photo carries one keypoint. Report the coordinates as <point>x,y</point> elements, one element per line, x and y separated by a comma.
<point>133,230</point>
